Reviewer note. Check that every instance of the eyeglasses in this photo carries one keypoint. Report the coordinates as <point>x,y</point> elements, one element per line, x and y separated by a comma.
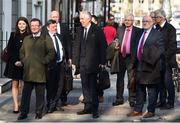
<point>128,20</point>
<point>153,17</point>
<point>158,17</point>
<point>146,21</point>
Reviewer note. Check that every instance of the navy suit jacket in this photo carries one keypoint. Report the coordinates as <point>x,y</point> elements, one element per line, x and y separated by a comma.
<point>148,68</point>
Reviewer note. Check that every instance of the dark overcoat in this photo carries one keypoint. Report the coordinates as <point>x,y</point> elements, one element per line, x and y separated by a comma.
<point>95,48</point>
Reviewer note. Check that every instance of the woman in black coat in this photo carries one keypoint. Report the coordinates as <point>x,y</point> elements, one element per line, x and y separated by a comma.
<point>14,69</point>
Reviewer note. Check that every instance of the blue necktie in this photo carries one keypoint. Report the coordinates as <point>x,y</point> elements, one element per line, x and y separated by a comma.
<point>57,48</point>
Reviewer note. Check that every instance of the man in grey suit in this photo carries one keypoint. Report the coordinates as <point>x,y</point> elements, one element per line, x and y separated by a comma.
<point>126,36</point>
<point>147,63</point>
<point>89,55</point>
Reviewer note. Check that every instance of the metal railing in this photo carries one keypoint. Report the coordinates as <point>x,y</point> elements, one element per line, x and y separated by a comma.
<point>3,44</point>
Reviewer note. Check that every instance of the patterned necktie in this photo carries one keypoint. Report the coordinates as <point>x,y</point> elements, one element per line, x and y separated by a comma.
<point>57,48</point>
<point>140,50</point>
<point>123,47</point>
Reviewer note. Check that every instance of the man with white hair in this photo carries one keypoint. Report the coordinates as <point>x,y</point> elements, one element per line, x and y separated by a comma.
<point>126,36</point>
<point>89,55</point>
<point>147,64</point>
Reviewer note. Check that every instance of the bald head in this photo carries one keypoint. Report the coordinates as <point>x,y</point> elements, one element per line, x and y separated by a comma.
<point>55,16</point>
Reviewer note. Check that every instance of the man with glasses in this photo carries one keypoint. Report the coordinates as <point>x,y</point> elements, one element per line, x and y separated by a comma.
<point>126,37</point>
<point>147,65</point>
<point>153,16</point>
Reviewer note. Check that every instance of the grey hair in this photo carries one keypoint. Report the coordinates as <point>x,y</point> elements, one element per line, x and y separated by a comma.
<point>161,13</point>
<point>131,15</point>
<point>86,14</point>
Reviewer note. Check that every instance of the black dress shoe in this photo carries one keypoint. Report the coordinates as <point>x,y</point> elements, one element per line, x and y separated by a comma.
<point>160,105</point>
<point>15,112</point>
<point>59,109</point>
<point>95,115</point>
<point>22,116</point>
<point>132,104</point>
<point>117,103</point>
<point>64,104</point>
<point>51,110</point>
<point>38,116</point>
<point>167,106</point>
<point>83,112</point>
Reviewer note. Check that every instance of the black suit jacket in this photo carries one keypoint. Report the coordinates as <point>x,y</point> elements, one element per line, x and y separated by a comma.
<point>134,36</point>
<point>148,69</point>
<point>66,37</point>
<point>95,49</point>
<point>169,35</point>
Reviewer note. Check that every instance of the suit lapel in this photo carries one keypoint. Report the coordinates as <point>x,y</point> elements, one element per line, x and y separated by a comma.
<point>89,33</point>
<point>149,36</point>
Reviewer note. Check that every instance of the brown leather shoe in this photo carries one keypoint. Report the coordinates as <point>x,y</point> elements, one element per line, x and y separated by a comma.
<point>134,113</point>
<point>148,115</point>
<point>83,112</point>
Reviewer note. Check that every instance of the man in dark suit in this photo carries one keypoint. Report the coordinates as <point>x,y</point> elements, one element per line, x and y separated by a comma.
<point>90,54</point>
<point>147,63</point>
<point>166,87</point>
<point>62,29</point>
<point>126,36</point>
<point>55,70</point>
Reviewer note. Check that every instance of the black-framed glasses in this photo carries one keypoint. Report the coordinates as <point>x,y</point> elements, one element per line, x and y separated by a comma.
<point>145,21</point>
<point>127,20</point>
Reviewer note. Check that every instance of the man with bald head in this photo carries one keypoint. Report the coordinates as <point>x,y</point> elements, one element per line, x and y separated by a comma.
<point>89,55</point>
<point>149,48</point>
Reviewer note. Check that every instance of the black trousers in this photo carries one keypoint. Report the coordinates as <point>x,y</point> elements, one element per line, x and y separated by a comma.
<point>26,97</point>
<point>89,88</point>
<point>55,83</point>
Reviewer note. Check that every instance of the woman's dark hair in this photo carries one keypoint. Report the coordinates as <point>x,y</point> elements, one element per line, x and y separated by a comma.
<point>95,17</point>
<point>27,31</point>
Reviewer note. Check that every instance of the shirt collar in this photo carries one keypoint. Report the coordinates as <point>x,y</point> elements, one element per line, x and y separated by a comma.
<point>37,34</point>
<point>162,25</point>
<point>88,27</point>
<point>130,28</point>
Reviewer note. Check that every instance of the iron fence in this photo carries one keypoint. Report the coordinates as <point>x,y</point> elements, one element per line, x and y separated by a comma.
<point>3,44</point>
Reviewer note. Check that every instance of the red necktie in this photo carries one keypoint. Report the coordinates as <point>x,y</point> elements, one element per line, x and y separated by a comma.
<point>140,50</point>
<point>123,47</point>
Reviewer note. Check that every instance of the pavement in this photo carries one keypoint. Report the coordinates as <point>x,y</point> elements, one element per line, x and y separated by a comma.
<point>108,113</point>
